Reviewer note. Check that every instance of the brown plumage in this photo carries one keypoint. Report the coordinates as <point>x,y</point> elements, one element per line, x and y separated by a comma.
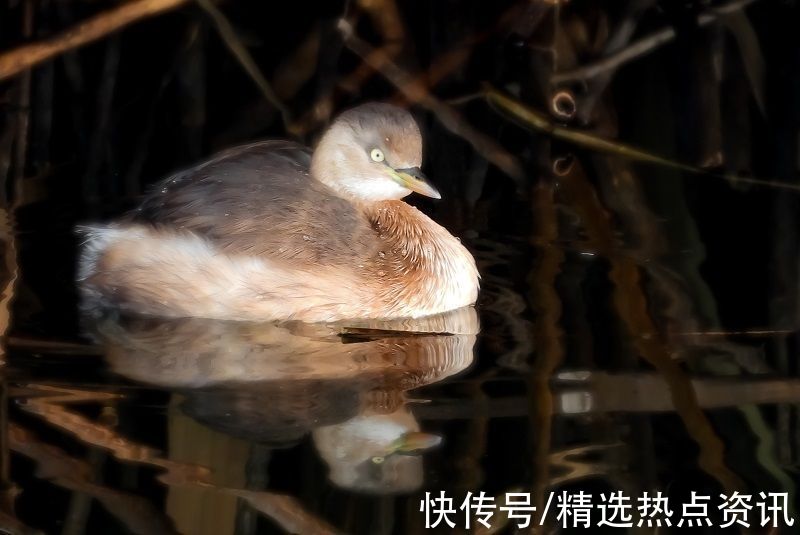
<point>269,231</point>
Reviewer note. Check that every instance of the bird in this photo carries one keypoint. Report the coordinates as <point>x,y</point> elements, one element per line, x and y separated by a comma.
<point>273,231</point>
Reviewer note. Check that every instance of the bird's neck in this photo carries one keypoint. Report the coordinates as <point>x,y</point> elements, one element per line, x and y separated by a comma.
<point>409,232</point>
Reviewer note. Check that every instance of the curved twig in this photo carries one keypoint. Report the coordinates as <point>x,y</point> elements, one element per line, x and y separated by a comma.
<point>234,44</point>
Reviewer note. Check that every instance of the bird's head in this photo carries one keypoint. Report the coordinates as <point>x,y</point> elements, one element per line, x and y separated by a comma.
<point>372,153</point>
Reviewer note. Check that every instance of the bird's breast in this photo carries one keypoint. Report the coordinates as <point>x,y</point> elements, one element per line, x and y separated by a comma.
<point>421,266</point>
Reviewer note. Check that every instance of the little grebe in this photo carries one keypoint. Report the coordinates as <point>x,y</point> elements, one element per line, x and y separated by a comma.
<point>269,231</point>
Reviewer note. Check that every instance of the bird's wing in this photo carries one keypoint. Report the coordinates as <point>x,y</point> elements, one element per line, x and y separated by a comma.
<point>260,200</point>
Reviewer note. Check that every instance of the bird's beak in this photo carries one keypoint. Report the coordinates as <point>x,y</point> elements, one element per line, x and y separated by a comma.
<point>413,179</point>
<point>415,442</point>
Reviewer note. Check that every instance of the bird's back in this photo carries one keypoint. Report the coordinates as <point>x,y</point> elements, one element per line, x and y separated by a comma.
<point>260,200</point>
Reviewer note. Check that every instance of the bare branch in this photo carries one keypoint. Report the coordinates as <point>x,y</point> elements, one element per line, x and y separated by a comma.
<point>642,47</point>
<point>247,62</point>
<point>533,119</point>
<point>19,59</point>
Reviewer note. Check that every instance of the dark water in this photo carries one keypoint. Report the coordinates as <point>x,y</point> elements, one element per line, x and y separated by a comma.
<point>597,361</point>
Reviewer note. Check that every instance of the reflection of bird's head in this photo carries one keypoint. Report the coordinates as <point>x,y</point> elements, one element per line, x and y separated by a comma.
<point>375,453</point>
<point>372,153</point>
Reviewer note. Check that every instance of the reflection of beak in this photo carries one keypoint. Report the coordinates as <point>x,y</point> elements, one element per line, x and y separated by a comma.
<point>415,442</point>
<point>413,179</point>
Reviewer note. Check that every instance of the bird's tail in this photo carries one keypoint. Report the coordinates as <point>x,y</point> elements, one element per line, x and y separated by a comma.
<point>148,271</point>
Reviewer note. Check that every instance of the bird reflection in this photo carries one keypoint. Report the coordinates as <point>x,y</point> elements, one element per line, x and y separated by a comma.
<point>344,384</point>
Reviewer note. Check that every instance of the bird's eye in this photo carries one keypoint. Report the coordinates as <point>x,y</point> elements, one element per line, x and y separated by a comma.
<point>377,155</point>
<point>378,460</point>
